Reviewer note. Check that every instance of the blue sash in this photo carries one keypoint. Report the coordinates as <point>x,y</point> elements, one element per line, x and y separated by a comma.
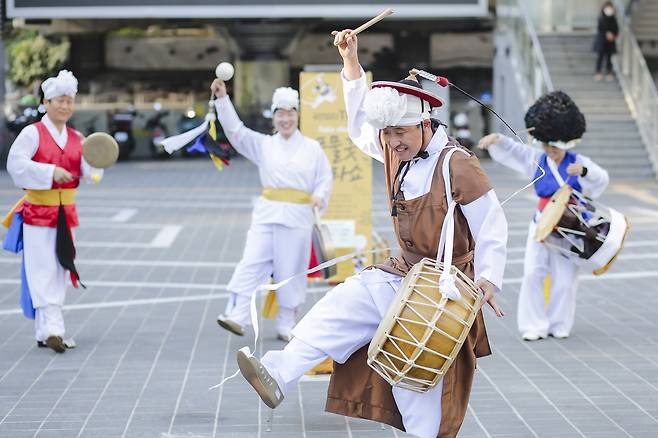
<point>14,243</point>
<point>548,185</point>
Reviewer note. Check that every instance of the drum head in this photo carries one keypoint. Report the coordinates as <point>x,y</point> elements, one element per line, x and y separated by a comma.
<point>552,213</point>
<point>100,150</point>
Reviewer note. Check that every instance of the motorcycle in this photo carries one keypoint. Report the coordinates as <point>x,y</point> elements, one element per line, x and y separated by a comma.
<point>158,131</point>
<point>120,125</point>
<point>24,114</point>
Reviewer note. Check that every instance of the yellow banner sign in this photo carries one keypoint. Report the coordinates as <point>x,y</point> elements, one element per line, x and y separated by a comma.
<point>349,216</point>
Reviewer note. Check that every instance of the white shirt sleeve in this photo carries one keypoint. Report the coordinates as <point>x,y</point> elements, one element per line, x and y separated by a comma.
<point>362,134</point>
<point>517,156</point>
<point>596,180</point>
<point>488,226</point>
<point>246,141</point>
<point>323,178</point>
<point>26,173</point>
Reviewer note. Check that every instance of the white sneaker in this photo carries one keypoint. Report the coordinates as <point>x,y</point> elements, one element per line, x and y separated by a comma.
<point>237,315</point>
<point>560,335</point>
<point>285,321</point>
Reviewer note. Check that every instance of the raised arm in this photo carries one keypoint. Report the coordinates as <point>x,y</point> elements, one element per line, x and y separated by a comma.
<point>355,87</point>
<point>246,141</point>
<point>517,156</point>
<point>596,178</point>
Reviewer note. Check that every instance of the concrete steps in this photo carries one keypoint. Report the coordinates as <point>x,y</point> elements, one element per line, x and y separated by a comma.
<point>612,139</point>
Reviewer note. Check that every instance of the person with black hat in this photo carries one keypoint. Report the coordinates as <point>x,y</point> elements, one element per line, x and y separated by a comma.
<point>557,125</point>
<point>391,123</point>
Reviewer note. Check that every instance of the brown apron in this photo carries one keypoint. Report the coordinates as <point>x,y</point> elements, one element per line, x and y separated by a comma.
<point>355,389</point>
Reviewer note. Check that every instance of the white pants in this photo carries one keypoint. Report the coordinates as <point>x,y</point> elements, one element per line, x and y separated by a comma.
<point>49,321</point>
<point>533,316</point>
<point>343,321</point>
<point>278,251</point>
<point>46,279</point>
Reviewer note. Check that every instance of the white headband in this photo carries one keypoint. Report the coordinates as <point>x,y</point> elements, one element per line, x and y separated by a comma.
<point>65,84</point>
<point>561,144</point>
<point>385,107</point>
<point>285,98</point>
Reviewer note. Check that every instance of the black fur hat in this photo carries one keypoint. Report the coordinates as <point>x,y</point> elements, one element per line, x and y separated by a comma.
<point>555,118</point>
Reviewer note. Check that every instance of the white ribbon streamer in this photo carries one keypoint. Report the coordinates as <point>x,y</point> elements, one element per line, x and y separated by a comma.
<point>254,311</point>
<point>174,143</point>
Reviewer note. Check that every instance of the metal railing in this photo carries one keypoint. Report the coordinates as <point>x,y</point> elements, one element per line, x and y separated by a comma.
<point>638,86</point>
<point>513,17</point>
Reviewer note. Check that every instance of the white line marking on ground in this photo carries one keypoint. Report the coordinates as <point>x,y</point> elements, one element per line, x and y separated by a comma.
<point>124,215</point>
<point>165,238</point>
<point>147,301</point>
<point>138,263</point>
<point>316,378</point>
<point>638,256</point>
<point>630,244</point>
<point>604,277</point>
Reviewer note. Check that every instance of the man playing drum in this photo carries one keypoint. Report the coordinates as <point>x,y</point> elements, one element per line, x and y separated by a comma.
<point>557,124</point>
<point>391,123</point>
<point>46,161</point>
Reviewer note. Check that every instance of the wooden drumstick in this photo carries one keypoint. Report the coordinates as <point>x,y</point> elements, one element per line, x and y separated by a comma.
<point>369,23</point>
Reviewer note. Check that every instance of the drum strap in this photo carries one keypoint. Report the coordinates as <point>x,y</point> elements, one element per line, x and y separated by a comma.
<point>554,170</point>
<point>446,242</point>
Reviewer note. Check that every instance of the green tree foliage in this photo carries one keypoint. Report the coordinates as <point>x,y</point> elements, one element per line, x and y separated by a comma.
<point>33,56</point>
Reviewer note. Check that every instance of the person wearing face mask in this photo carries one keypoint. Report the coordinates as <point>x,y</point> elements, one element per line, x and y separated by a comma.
<point>46,161</point>
<point>391,123</point>
<point>558,126</point>
<point>604,43</point>
<point>296,178</point>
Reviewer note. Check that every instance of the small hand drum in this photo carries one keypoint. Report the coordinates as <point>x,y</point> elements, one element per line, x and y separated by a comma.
<point>581,228</point>
<point>423,331</point>
<point>100,150</point>
<point>323,246</point>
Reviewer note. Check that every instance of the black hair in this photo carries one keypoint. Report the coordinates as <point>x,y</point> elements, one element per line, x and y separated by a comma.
<point>555,117</point>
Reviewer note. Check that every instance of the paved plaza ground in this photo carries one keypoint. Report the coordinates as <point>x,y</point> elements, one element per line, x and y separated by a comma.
<point>156,247</point>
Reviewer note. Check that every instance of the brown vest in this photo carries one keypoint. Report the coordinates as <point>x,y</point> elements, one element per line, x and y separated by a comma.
<point>355,389</point>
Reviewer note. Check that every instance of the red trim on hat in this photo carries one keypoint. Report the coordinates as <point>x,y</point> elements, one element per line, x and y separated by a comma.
<point>431,98</point>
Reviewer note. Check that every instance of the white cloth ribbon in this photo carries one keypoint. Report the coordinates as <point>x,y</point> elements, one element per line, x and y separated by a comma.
<point>447,285</point>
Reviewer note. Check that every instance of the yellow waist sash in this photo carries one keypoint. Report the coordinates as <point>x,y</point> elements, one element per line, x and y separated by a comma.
<point>293,196</point>
<point>50,198</point>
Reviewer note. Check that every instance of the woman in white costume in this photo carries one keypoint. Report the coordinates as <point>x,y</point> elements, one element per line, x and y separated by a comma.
<point>557,124</point>
<point>296,178</point>
<point>46,161</point>
<point>391,123</point>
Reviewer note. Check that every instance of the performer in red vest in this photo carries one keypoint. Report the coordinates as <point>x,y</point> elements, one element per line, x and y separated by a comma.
<point>46,161</point>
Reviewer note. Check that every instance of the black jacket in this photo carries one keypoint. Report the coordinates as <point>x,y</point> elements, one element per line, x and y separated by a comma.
<point>606,24</point>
